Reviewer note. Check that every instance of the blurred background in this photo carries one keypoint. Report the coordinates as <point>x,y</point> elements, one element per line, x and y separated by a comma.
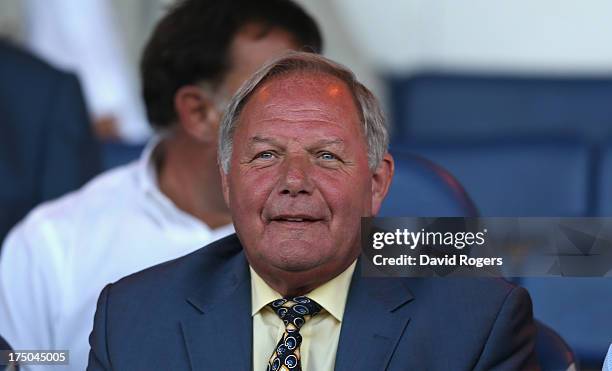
<point>512,98</point>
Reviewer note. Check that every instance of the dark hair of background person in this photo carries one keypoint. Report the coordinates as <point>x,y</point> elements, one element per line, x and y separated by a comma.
<point>192,44</point>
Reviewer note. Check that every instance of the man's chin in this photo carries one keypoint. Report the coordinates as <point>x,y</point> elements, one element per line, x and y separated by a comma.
<point>294,256</point>
<point>296,264</point>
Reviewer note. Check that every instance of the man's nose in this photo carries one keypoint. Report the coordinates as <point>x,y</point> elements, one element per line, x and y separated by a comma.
<point>296,177</point>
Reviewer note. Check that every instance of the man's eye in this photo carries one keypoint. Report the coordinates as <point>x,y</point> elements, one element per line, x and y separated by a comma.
<point>328,156</point>
<point>266,155</point>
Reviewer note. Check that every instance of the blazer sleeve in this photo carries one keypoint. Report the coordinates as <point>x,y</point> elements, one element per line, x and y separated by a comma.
<point>71,154</point>
<point>511,341</point>
<point>98,354</point>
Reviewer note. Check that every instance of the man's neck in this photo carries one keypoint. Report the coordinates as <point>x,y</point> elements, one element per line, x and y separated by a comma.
<point>290,284</point>
<point>187,174</point>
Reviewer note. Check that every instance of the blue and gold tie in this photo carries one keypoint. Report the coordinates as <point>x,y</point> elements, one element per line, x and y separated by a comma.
<point>294,312</point>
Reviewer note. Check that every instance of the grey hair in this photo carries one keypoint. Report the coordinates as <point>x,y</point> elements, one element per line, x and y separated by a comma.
<point>371,115</point>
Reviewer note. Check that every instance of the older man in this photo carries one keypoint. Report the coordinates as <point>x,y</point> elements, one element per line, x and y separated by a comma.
<point>303,155</point>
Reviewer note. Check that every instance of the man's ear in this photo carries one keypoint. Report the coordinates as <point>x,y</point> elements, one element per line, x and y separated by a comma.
<point>381,180</point>
<point>196,113</point>
<point>225,186</point>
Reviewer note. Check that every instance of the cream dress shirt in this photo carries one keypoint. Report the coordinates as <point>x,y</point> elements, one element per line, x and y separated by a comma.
<point>320,334</point>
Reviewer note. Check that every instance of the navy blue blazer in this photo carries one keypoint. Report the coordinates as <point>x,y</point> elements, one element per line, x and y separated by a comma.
<point>46,144</point>
<point>194,313</point>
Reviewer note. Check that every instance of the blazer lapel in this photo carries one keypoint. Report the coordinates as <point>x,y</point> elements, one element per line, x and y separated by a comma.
<point>219,334</point>
<point>375,318</point>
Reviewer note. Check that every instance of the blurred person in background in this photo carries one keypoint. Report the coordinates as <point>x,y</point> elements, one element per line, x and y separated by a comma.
<point>46,144</point>
<point>168,203</point>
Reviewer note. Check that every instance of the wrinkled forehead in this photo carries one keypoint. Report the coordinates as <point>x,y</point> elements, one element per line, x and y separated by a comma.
<point>302,96</point>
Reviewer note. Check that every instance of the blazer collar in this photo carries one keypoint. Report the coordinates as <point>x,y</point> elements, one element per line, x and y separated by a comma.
<point>376,315</point>
<point>219,333</point>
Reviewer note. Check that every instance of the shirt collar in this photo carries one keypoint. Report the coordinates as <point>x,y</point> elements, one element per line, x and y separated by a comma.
<point>331,295</point>
<point>148,182</point>
<point>147,171</point>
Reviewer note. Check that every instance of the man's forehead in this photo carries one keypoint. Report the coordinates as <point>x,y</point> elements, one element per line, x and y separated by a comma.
<point>313,82</point>
<point>303,94</point>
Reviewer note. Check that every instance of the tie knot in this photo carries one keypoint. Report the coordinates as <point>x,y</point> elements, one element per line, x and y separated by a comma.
<point>294,312</point>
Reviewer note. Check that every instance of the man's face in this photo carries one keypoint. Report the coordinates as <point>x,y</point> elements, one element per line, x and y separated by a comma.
<point>299,179</point>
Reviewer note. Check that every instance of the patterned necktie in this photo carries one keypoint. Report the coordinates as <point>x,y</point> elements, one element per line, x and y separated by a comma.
<point>294,312</point>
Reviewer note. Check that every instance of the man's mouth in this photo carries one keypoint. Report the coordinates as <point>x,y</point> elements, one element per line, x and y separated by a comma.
<point>295,219</point>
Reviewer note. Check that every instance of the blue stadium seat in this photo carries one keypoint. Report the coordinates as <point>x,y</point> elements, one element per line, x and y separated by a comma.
<point>468,107</point>
<point>604,183</point>
<point>422,188</point>
<point>552,351</point>
<point>579,309</point>
<point>519,178</point>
